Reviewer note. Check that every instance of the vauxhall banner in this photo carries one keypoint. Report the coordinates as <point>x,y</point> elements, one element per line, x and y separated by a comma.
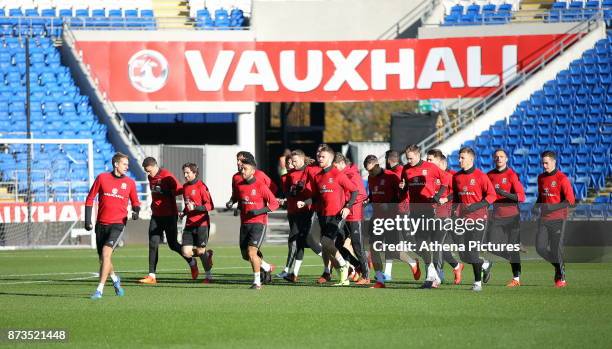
<point>310,71</point>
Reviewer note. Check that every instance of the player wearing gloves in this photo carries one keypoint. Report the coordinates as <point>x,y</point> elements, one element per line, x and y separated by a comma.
<point>113,190</point>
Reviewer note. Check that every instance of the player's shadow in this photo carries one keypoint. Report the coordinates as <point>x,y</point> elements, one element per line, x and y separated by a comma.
<point>44,295</point>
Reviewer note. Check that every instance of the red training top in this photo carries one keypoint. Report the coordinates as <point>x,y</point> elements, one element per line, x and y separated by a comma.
<point>397,170</point>
<point>328,190</point>
<point>164,204</point>
<point>445,210</point>
<point>352,173</point>
<point>554,188</point>
<point>260,175</point>
<point>470,187</point>
<point>197,193</point>
<point>421,181</point>
<point>113,195</point>
<point>254,195</point>
<point>288,182</point>
<point>508,181</point>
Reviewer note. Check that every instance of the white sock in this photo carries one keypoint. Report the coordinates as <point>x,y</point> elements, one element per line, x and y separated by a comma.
<point>516,278</point>
<point>412,264</point>
<point>114,277</point>
<point>388,267</point>
<point>485,264</point>
<point>296,267</point>
<point>152,275</point>
<point>192,262</point>
<point>265,266</point>
<point>286,270</point>
<point>341,261</point>
<point>432,274</point>
<point>100,288</point>
<point>478,283</point>
<point>320,254</point>
<point>457,267</point>
<point>380,277</point>
<point>209,274</point>
<point>256,278</point>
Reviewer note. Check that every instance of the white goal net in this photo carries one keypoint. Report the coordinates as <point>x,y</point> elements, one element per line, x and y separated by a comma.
<point>43,186</point>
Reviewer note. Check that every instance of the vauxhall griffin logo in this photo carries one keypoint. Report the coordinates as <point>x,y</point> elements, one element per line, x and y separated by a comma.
<point>148,71</point>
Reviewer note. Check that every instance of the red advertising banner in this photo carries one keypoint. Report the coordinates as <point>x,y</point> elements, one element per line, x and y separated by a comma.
<point>17,212</point>
<point>309,71</point>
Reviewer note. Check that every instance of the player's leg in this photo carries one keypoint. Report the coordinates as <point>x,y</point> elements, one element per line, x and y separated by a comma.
<point>330,234</point>
<point>306,228</point>
<point>107,238</point>
<point>512,230</point>
<point>291,246</point>
<point>343,244</point>
<point>453,239</point>
<point>543,247</point>
<point>556,231</point>
<point>155,238</point>
<point>395,237</point>
<point>188,240</point>
<point>258,235</point>
<point>255,236</point>
<point>326,276</point>
<point>202,235</point>
<point>169,226</point>
<point>357,242</point>
<point>472,256</point>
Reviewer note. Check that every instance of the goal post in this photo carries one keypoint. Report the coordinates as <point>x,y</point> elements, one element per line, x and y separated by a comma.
<point>42,203</point>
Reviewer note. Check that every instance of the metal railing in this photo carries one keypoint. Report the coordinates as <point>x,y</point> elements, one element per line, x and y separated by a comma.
<point>420,11</point>
<point>469,111</point>
<point>113,112</point>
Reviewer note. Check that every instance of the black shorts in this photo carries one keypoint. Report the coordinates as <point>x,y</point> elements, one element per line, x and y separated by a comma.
<point>108,235</point>
<point>252,235</point>
<point>160,224</point>
<point>330,226</point>
<point>195,236</point>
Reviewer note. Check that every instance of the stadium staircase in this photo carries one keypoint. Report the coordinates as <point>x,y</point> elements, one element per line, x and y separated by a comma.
<point>121,134</point>
<point>173,9</point>
<point>533,10</point>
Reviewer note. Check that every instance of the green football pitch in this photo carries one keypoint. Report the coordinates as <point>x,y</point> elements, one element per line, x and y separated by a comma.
<point>51,288</point>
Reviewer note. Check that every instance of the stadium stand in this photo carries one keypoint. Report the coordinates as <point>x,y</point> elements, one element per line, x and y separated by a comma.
<point>479,12</point>
<point>571,115</point>
<point>42,15</point>
<point>58,110</point>
<point>573,11</point>
<point>213,14</point>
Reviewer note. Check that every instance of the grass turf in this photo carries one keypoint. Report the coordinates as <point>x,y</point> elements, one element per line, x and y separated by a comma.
<point>50,289</point>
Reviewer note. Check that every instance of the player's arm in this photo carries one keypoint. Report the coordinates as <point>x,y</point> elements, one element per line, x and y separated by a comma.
<point>272,186</point>
<point>234,198</point>
<point>348,186</point>
<point>93,191</point>
<point>134,200</point>
<point>207,204</point>
<point>443,187</point>
<point>307,188</point>
<point>270,201</point>
<point>488,195</point>
<point>567,197</point>
<point>175,187</point>
<point>516,194</point>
